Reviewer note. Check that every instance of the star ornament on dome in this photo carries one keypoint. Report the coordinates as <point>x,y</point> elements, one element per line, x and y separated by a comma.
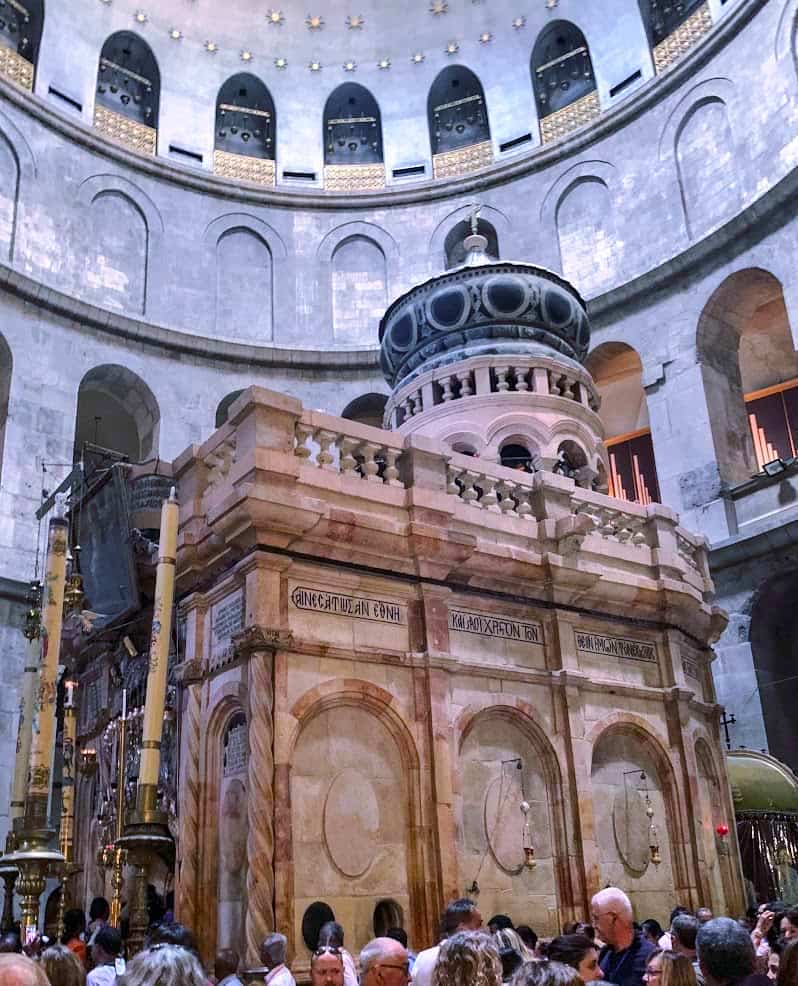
<point>280,63</point>
<point>438,7</point>
<point>246,55</point>
<point>140,17</point>
<point>485,38</point>
<point>551,4</point>
<point>519,22</point>
<point>276,17</point>
<point>355,21</point>
<point>315,22</point>
<point>175,33</point>
<point>314,66</point>
<point>383,64</point>
<point>350,66</point>
<point>418,57</point>
<point>211,47</point>
<point>452,48</point>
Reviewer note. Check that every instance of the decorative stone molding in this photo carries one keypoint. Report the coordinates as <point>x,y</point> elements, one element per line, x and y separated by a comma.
<point>571,117</point>
<point>686,35</point>
<point>254,639</point>
<point>243,167</point>
<point>354,177</point>
<point>137,136</point>
<point>16,68</point>
<point>189,672</point>
<point>462,161</point>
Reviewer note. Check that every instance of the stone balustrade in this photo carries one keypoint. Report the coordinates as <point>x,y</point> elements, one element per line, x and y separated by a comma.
<point>348,448</point>
<point>486,375</point>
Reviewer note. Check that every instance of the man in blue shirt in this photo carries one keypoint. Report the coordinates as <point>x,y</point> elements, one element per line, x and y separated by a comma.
<point>625,953</point>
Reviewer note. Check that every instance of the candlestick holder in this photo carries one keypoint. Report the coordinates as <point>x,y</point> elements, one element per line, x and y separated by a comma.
<point>35,862</point>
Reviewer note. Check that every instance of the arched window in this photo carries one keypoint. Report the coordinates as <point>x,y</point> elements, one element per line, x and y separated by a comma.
<point>673,27</point>
<point>118,411</point>
<point>245,137</point>
<point>128,92</point>
<point>368,410</point>
<point>352,140</point>
<point>21,24</point>
<point>454,244</point>
<point>563,80</point>
<point>223,408</point>
<point>457,116</point>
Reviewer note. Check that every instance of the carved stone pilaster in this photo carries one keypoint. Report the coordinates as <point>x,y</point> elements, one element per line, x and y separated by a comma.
<point>188,868</point>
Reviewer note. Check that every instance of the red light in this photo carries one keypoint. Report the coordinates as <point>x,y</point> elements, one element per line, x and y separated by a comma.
<point>722,829</point>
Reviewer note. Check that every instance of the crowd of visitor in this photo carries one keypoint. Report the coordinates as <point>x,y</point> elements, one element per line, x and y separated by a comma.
<point>696,949</point>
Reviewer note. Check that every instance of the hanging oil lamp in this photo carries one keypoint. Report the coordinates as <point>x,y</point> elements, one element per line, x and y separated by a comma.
<point>529,850</point>
<point>653,834</point>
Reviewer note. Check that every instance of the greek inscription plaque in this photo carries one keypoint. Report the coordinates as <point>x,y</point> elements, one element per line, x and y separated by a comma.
<point>495,626</point>
<point>690,669</point>
<point>356,607</point>
<point>632,650</point>
<point>227,619</point>
<point>149,492</point>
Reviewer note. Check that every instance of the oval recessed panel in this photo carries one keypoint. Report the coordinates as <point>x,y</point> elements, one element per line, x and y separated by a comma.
<point>505,296</point>
<point>351,822</point>
<point>504,823</point>
<point>449,308</point>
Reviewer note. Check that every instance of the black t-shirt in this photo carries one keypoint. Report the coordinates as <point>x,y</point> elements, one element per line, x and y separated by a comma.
<point>626,968</point>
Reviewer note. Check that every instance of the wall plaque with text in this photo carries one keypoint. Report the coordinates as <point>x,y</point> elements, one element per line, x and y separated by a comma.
<point>690,669</point>
<point>495,626</point>
<point>355,607</point>
<point>227,619</point>
<point>632,650</point>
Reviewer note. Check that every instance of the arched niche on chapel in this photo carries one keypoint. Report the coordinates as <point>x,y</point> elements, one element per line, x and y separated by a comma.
<point>673,28</point>
<point>563,80</point>
<point>352,134</point>
<point>459,129</point>
<point>245,134</point>
<point>21,26</point>
<point>128,93</point>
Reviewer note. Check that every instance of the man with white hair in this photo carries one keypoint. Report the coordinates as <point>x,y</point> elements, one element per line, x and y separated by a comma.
<point>625,954</point>
<point>384,962</point>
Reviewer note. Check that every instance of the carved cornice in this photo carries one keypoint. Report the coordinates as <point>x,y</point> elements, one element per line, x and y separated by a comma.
<point>257,638</point>
<point>189,672</point>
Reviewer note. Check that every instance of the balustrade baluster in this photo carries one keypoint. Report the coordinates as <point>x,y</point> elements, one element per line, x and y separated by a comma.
<point>502,383</point>
<point>469,494</point>
<point>391,473</point>
<point>348,462</point>
<point>466,389</point>
<point>446,390</point>
<point>370,466</point>
<point>325,458</point>
<point>521,384</point>
<point>489,499</point>
<point>302,434</point>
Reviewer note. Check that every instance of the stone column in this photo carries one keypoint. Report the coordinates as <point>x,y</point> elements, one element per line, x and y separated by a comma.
<point>258,644</point>
<point>187,870</point>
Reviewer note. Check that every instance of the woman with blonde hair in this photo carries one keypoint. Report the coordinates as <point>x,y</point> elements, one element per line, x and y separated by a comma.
<point>468,958</point>
<point>512,951</point>
<point>165,965</point>
<point>669,969</point>
<point>544,972</point>
<point>62,967</point>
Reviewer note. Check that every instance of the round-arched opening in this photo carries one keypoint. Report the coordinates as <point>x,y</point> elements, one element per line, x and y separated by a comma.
<point>352,126</point>
<point>245,118</point>
<point>454,245</point>
<point>316,915</point>
<point>369,409</point>
<point>387,914</point>
<point>513,455</point>
<point>456,112</point>
<point>117,411</point>
<point>662,19</point>
<point>562,71</point>
<point>128,79</point>
<point>224,406</point>
<point>21,28</point>
<point>463,448</point>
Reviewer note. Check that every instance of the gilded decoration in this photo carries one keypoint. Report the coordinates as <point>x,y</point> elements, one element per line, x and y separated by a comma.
<point>354,177</point>
<point>570,117</point>
<point>683,38</point>
<point>463,160</point>
<point>125,131</point>
<point>13,66</point>
<point>241,167</point>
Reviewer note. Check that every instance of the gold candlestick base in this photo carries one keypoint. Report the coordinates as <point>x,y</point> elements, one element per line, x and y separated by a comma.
<point>146,839</point>
<point>34,863</point>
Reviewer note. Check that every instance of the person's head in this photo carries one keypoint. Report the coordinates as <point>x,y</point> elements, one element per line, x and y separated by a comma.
<point>684,929</point>
<point>165,965</point>
<point>546,973</point>
<point>172,933</point>
<point>331,933</point>
<point>527,936</point>
<point>789,924</point>
<point>99,909</point>
<point>704,914</point>
<point>579,952</point>
<point>226,963</point>
<point>725,952</point>
<point>508,938</point>
<point>612,917</point>
<point>679,909</point>
<point>10,942</point>
<point>460,915</point>
<point>652,930</point>
<point>384,962</point>
<point>62,967</point>
<point>774,961</point>
<point>272,951</point>
<point>498,923</point>
<point>107,945</point>
<point>669,969</point>
<point>468,958</point>
<point>74,924</point>
<point>398,934</point>
<point>788,965</point>
<point>19,970</point>
<point>327,966</point>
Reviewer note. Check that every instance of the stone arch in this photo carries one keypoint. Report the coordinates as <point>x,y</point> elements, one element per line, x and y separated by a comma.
<point>457,115</point>
<point>700,121</point>
<point>352,131</point>
<point>370,704</point>
<point>245,220</point>
<point>494,217</point>
<point>21,32</point>
<point>130,408</point>
<point>369,231</point>
<point>224,405</point>
<point>617,372</point>
<point>787,32</point>
<point>517,427</point>
<point>6,371</point>
<point>245,122</point>
<point>731,314</point>
<point>561,68</point>
<point>454,246</point>
<point>244,309</point>
<point>713,866</point>
<point>641,741</point>
<point>128,81</point>
<point>229,704</point>
<point>543,789</point>
<point>18,167</point>
<point>368,409</point>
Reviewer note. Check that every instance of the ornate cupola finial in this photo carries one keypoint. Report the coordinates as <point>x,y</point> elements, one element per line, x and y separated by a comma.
<point>475,243</point>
